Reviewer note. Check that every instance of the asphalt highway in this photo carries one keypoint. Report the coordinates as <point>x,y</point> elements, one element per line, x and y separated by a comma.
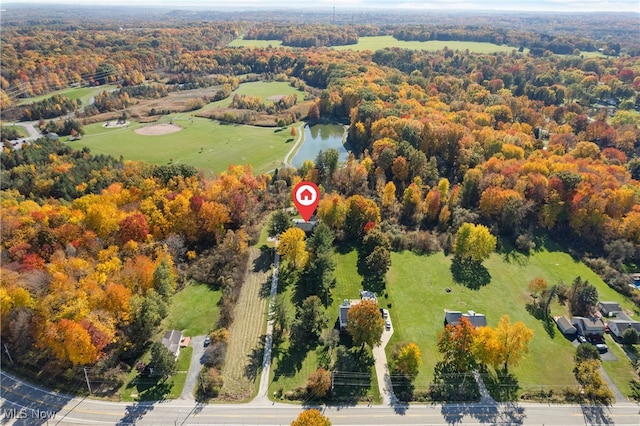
<point>25,404</point>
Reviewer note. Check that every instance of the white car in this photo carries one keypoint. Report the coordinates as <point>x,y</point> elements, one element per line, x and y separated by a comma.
<point>387,324</point>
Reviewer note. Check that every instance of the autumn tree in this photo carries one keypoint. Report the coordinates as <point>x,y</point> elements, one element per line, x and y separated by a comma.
<point>292,247</point>
<point>406,360</point>
<point>537,286</point>
<point>365,324</point>
<point>455,343</point>
<point>319,383</point>
<point>503,346</point>
<point>311,417</point>
<point>473,243</point>
<point>594,387</point>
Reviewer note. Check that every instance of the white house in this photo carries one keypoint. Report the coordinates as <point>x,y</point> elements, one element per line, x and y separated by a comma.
<point>347,304</point>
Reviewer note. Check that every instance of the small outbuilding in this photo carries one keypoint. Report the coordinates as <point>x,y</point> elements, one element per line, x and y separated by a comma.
<point>609,309</point>
<point>565,327</point>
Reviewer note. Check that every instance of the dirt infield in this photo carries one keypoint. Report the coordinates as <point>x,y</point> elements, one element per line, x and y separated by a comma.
<point>158,129</point>
<point>275,98</point>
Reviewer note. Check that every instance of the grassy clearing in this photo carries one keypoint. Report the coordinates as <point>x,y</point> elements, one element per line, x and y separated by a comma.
<point>19,129</point>
<point>194,310</point>
<point>416,288</point>
<point>203,143</point>
<point>381,42</point>
<point>81,93</point>
<point>245,350</point>
<point>137,388</point>
<point>241,42</point>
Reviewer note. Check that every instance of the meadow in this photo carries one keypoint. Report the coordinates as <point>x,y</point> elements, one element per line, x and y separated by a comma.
<point>194,310</point>
<point>381,42</point>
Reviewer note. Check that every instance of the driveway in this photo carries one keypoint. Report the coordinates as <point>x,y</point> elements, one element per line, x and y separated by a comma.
<point>197,342</point>
<point>382,368</point>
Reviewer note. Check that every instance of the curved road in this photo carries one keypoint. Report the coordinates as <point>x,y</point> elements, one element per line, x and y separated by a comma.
<point>25,404</point>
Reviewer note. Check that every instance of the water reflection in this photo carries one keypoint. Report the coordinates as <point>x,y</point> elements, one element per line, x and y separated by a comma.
<point>320,137</point>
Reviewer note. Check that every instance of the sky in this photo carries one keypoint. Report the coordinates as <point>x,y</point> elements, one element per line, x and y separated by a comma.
<point>528,5</point>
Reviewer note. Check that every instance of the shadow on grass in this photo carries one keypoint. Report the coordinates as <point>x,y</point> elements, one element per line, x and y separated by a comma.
<point>502,386</point>
<point>263,262</point>
<point>291,361</point>
<point>255,359</point>
<point>538,313</point>
<point>150,388</point>
<point>471,274</point>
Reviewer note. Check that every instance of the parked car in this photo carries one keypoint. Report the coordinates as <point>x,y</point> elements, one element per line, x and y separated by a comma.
<point>582,339</point>
<point>385,314</point>
<point>602,348</point>
<point>207,341</point>
<point>387,325</point>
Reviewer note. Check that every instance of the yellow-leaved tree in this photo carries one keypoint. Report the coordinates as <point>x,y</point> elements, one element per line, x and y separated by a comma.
<point>293,248</point>
<point>504,345</point>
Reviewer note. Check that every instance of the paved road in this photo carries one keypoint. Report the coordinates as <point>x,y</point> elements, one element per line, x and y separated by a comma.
<point>188,392</point>
<point>32,132</point>
<point>66,410</point>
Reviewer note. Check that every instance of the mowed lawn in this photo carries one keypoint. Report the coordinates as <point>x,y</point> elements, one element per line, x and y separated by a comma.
<point>416,288</point>
<point>381,42</point>
<point>194,310</point>
<point>206,144</point>
<point>203,143</point>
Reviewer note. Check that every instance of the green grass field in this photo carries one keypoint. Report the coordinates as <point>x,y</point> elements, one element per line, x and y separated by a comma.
<point>194,310</point>
<point>241,42</point>
<point>82,93</point>
<point>417,299</point>
<point>381,42</point>
<point>203,143</point>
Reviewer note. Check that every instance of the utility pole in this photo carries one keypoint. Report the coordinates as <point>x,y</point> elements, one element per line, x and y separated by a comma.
<point>7,351</point>
<point>87,377</point>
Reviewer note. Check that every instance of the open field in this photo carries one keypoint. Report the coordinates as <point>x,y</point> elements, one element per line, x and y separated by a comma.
<point>619,371</point>
<point>81,93</point>
<point>194,310</point>
<point>245,350</point>
<point>19,129</point>
<point>416,287</point>
<point>381,42</point>
<point>203,143</point>
<point>240,42</point>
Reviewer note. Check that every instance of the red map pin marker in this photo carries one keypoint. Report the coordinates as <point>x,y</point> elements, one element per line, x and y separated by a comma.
<point>306,197</point>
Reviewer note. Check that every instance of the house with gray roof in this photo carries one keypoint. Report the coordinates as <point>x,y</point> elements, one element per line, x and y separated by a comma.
<point>171,340</point>
<point>609,309</point>
<point>590,327</point>
<point>566,327</point>
<point>455,318</point>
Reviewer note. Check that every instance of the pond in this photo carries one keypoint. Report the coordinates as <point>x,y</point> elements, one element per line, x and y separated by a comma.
<point>320,137</point>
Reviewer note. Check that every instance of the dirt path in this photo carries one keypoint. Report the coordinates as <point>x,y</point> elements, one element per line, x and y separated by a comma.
<point>244,354</point>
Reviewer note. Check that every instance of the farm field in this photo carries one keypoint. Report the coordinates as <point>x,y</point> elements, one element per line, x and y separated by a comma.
<point>417,299</point>
<point>194,310</point>
<point>245,350</point>
<point>381,42</point>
